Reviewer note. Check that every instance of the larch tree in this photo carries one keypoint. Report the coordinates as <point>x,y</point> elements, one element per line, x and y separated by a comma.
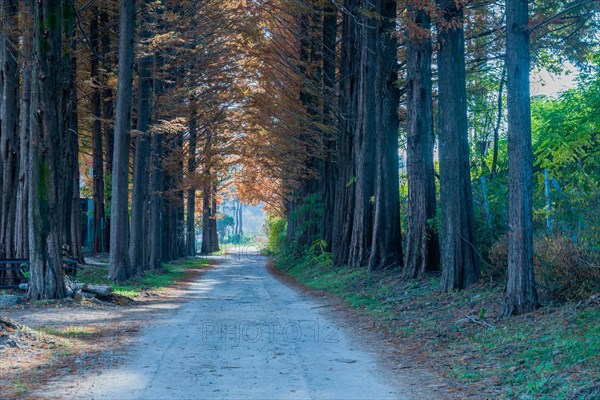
<point>328,188</point>
<point>46,173</point>
<point>348,105</point>
<point>386,243</point>
<point>458,254</point>
<point>364,136</point>
<point>9,127</point>
<point>138,244</point>
<point>156,201</point>
<point>22,210</point>
<point>521,294</point>
<point>422,246</point>
<point>72,225</point>
<point>120,266</point>
<point>190,241</point>
<point>99,220</point>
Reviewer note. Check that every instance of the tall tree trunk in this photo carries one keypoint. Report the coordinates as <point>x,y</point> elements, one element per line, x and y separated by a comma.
<point>191,194</point>
<point>240,219</point>
<point>156,200</point>
<point>108,113</point>
<point>365,141</point>
<point>460,263</point>
<point>46,202</point>
<point>422,246</point>
<point>308,185</point>
<point>328,184</point>
<point>521,295</point>
<point>108,103</point>
<point>71,125</point>
<point>137,244</point>
<point>207,236</point>
<point>386,244</point>
<point>210,236</point>
<point>99,219</point>
<point>348,103</point>
<point>9,128</point>
<point>213,221</point>
<point>180,204</point>
<point>120,266</point>
<point>22,211</point>
<point>498,122</point>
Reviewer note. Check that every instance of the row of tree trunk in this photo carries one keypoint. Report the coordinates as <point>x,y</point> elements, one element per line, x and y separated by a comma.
<point>40,210</point>
<point>358,167</point>
<point>39,145</point>
<point>157,231</point>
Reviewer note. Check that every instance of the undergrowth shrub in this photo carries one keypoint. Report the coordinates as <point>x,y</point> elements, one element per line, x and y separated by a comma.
<point>276,233</point>
<point>563,270</point>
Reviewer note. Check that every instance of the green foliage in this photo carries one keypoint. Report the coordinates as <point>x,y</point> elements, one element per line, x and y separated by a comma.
<point>223,224</point>
<point>566,141</point>
<point>276,233</point>
<point>318,253</point>
<point>307,217</point>
<point>351,181</point>
<point>566,144</point>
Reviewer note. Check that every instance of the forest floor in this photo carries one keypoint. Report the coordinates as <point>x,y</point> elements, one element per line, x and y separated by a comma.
<point>234,332</point>
<point>549,354</point>
<point>60,338</point>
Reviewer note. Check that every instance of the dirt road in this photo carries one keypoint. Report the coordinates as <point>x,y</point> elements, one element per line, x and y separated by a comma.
<point>244,334</point>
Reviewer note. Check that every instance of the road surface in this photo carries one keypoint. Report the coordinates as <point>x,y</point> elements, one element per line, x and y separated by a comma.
<point>243,334</point>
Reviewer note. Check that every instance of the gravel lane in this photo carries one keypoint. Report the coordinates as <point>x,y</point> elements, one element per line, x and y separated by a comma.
<point>245,335</point>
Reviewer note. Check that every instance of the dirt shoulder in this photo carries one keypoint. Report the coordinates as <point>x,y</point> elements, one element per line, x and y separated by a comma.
<point>60,338</point>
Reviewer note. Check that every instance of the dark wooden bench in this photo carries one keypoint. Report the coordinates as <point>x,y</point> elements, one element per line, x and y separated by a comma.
<point>22,265</point>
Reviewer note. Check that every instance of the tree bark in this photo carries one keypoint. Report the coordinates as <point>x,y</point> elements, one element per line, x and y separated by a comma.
<point>498,122</point>
<point>460,263</point>
<point>120,266</point>
<point>207,236</point>
<point>99,219</point>
<point>137,250</point>
<point>190,242</point>
<point>328,185</point>
<point>213,220</point>
<point>521,294</point>
<point>46,202</point>
<point>422,245</point>
<point>156,200</point>
<point>365,141</point>
<point>386,244</point>
<point>9,128</point>
<point>108,103</point>
<point>108,113</point>
<point>180,205</point>
<point>72,229</point>
<point>22,211</point>
<point>348,103</point>
<point>137,244</point>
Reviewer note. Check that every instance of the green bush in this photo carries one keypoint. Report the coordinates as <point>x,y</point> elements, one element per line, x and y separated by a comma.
<point>276,233</point>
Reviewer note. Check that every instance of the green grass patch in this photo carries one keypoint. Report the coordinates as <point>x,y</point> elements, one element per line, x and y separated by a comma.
<point>69,332</point>
<point>550,354</point>
<point>151,280</point>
